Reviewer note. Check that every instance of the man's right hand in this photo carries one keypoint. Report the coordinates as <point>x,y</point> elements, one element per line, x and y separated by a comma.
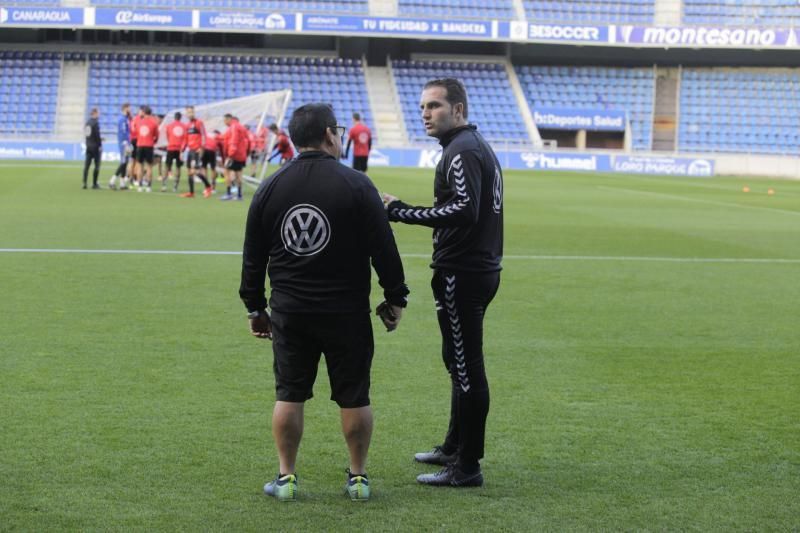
<point>389,314</point>
<point>387,199</point>
<point>261,326</point>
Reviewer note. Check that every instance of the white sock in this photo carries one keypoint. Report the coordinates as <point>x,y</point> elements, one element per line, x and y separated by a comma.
<point>113,180</point>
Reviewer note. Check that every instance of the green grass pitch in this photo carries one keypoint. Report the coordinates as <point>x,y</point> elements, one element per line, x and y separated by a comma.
<point>643,354</point>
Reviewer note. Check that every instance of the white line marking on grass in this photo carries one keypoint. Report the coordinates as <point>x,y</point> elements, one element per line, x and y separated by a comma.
<point>39,165</point>
<point>699,200</point>
<point>130,252</point>
<point>623,258</point>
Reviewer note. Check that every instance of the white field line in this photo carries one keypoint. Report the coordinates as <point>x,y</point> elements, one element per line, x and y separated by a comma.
<point>698,200</point>
<point>621,258</point>
<point>43,166</point>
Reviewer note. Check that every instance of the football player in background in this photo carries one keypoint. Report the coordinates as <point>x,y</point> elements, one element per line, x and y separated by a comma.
<point>176,144</point>
<point>283,145</point>
<point>361,138</point>
<point>125,150</point>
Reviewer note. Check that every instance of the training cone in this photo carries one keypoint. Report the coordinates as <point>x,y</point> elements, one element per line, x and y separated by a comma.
<point>745,189</point>
<point>770,191</point>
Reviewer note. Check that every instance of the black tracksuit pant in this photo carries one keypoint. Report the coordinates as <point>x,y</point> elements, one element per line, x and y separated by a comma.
<point>461,302</point>
<point>92,154</point>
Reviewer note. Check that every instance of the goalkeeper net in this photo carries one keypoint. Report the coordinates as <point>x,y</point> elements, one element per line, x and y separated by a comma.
<point>256,111</point>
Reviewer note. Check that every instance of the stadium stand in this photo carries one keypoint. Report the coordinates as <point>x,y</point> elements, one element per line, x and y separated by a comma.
<point>492,105</point>
<point>739,110</point>
<point>340,6</point>
<point>28,92</point>
<point>590,11</point>
<point>179,80</point>
<point>624,89</point>
<point>501,9</point>
<point>742,12</point>
<point>34,3</point>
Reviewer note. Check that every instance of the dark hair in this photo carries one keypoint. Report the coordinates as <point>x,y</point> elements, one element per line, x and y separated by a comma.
<point>356,116</point>
<point>178,115</point>
<point>124,105</point>
<point>190,107</point>
<point>93,111</point>
<point>456,93</point>
<point>147,110</point>
<point>309,123</point>
<point>227,115</point>
<point>273,127</point>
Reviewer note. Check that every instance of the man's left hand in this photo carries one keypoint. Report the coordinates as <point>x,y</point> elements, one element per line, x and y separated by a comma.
<point>261,326</point>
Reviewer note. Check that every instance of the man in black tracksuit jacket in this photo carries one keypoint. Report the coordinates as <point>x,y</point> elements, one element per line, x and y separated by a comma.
<point>467,222</point>
<point>94,145</point>
<point>316,225</point>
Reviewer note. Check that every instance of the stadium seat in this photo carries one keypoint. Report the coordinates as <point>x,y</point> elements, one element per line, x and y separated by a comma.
<point>758,112</point>
<point>590,12</point>
<point>742,12</point>
<point>323,6</point>
<point>29,84</point>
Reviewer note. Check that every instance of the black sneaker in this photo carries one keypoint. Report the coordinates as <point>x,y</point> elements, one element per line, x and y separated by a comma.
<point>451,476</point>
<point>435,457</point>
<point>95,186</point>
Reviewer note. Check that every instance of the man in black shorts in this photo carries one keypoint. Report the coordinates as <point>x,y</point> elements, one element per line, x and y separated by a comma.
<point>176,144</point>
<point>361,138</point>
<point>147,136</point>
<point>318,225</point>
<point>208,164</point>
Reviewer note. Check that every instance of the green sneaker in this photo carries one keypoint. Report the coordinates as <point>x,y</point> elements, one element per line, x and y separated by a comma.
<point>357,487</point>
<point>283,489</point>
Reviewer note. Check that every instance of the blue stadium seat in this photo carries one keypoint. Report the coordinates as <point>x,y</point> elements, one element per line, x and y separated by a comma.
<point>28,87</point>
<point>739,110</point>
<point>742,12</point>
<point>323,6</point>
<point>590,12</point>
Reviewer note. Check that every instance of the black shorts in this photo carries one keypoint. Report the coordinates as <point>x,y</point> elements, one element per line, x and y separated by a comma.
<point>236,165</point>
<point>298,339</point>
<point>144,154</point>
<point>194,159</point>
<point>174,155</point>
<point>209,159</point>
<point>360,162</point>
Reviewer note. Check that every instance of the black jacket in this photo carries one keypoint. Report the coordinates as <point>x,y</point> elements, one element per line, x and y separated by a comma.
<point>467,214</point>
<point>92,132</point>
<point>317,224</point>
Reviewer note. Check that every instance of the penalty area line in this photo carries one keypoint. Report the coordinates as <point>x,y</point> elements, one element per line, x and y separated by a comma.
<point>513,257</point>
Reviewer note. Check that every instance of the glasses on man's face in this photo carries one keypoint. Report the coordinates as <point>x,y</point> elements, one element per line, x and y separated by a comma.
<point>340,130</point>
